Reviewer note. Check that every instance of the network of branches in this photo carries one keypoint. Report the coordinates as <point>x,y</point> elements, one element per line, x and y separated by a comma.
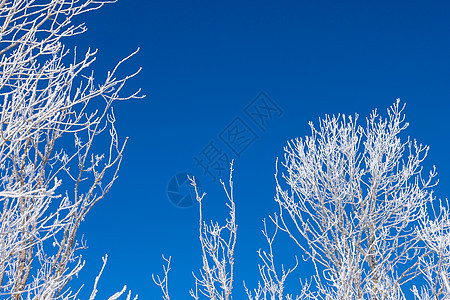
<point>52,172</point>
<point>355,203</point>
<point>352,198</point>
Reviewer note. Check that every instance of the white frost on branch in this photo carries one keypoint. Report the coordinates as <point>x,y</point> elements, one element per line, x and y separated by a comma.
<point>47,97</point>
<point>356,204</point>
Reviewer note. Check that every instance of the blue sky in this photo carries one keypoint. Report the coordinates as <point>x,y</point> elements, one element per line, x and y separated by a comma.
<point>203,63</point>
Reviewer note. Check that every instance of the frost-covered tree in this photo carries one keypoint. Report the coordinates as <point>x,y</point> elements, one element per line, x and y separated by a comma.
<point>355,202</point>
<point>52,166</point>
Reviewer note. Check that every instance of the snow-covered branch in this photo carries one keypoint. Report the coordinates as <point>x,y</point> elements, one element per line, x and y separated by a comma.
<point>51,173</point>
<point>357,206</point>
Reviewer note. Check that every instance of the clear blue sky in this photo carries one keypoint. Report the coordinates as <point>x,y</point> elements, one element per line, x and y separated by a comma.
<point>203,63</point>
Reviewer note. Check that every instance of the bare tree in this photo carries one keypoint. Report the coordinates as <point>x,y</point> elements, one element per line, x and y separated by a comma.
<point>51,169</point>
<point>217,244</point>
<point>356,204</point>
<point>216,276</point>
